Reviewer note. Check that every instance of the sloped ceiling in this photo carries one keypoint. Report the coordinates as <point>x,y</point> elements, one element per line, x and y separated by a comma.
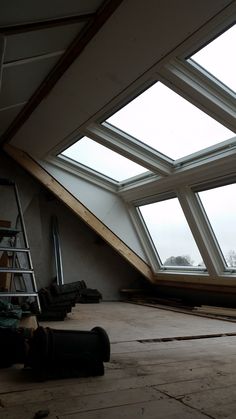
<point>65,64</point>
<point>39,114</point>
<point>34,40</point>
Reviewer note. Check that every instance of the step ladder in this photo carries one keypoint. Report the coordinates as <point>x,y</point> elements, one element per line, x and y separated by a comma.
<point>17,278</point>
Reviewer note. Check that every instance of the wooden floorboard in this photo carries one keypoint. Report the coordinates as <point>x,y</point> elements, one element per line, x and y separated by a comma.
<point>182,379</point>
<point>167,409</point>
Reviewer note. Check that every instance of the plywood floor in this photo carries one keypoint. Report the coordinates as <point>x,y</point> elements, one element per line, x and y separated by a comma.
<point>151,379</point>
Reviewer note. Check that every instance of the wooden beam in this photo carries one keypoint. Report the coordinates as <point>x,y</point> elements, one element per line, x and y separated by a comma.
<point>74,50</point>
<point>44,24</point>
<point>201,284</point>
<point>78,208</point>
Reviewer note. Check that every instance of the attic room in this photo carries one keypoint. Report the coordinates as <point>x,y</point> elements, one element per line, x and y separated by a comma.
<point>117,176</point>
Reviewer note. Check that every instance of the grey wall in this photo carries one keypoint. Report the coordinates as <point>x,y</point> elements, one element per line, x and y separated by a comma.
<point>85,256</point>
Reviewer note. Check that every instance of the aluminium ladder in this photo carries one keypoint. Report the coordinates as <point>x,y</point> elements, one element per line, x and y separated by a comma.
<point>16,247</point>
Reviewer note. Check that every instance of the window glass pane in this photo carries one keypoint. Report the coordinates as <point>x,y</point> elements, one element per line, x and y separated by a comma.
<point>170,233</point>
<point>218,58</point>
<point>170,124</point>
<point>103,160</point>
<point>220,206</point>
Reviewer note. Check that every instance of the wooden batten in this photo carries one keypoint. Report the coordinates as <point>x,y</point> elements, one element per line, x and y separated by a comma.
<point>78,208</point>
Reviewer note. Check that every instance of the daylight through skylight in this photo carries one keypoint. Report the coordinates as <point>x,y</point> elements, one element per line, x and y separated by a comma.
<point>170,124</point>
<point>103,160</point>
<point>218,58</point>
<point>220,206</point>
<point>171,234</point>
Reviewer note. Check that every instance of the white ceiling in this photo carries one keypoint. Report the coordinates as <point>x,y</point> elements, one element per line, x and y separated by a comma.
<point>34,37</point>
<point>136,38</point>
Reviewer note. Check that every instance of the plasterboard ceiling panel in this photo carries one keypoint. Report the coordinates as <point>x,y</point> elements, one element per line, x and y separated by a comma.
<point>29,11</point>
<point>43,41</point>
<point>7,116</point>
<point>20,81</point>
<point>127,47</point>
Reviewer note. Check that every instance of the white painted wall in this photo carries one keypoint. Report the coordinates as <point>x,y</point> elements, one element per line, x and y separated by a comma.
<point>108,207</point>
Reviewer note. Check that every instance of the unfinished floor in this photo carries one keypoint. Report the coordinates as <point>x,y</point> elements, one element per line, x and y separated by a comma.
<point>147,377</point>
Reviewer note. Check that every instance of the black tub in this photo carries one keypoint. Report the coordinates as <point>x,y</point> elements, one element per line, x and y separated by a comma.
<point>68,353</point>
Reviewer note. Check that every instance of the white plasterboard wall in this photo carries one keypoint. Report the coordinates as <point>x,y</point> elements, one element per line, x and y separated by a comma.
<point>108,207</point>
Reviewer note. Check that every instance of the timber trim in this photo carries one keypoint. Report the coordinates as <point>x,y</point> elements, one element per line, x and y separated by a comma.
<point>214,286</point>
<point>79,209</point>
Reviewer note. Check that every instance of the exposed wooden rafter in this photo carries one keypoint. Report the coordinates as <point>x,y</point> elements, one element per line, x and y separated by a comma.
<point>44,24</point>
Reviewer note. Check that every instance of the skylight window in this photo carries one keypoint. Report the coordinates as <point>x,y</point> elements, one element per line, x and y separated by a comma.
<point>220,206</point>
<point>103,160</point>
<point>168,123</point>
<point>218,58</point>
<point>171,234</point>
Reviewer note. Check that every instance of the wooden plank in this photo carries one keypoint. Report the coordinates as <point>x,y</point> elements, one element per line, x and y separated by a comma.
<point>69,405</point>
<point>177,379</point>
<point>129,322</point>
<point>190,345</point>
<point>78,395</point>
<point>196,282</point>
<point>217,403</point>
<point>119,379</point>
<point>165,348</point>
<point>24,413</point>
<point>169,357</point>
<point>145,410</point>
<point>161,409</point>
<point>79,209</point>
<point>184,388</point>
<point>218,311</point>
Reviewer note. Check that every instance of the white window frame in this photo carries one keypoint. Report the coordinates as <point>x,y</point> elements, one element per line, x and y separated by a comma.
<point>165,176</point>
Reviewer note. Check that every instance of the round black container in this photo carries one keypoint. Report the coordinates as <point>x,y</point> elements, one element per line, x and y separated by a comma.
<point>68,353</point>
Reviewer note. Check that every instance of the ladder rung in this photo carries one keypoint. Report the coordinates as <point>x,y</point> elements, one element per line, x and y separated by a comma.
<point>18,294</point>
<point>17,270</point>
<point>13,249</point>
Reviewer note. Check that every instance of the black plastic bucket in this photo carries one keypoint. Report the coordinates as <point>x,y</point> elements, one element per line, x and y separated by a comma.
<point>68,353</point>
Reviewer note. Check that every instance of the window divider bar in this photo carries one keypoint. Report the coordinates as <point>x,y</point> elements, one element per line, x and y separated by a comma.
<point>202,231</point>
<point>129,147</point>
